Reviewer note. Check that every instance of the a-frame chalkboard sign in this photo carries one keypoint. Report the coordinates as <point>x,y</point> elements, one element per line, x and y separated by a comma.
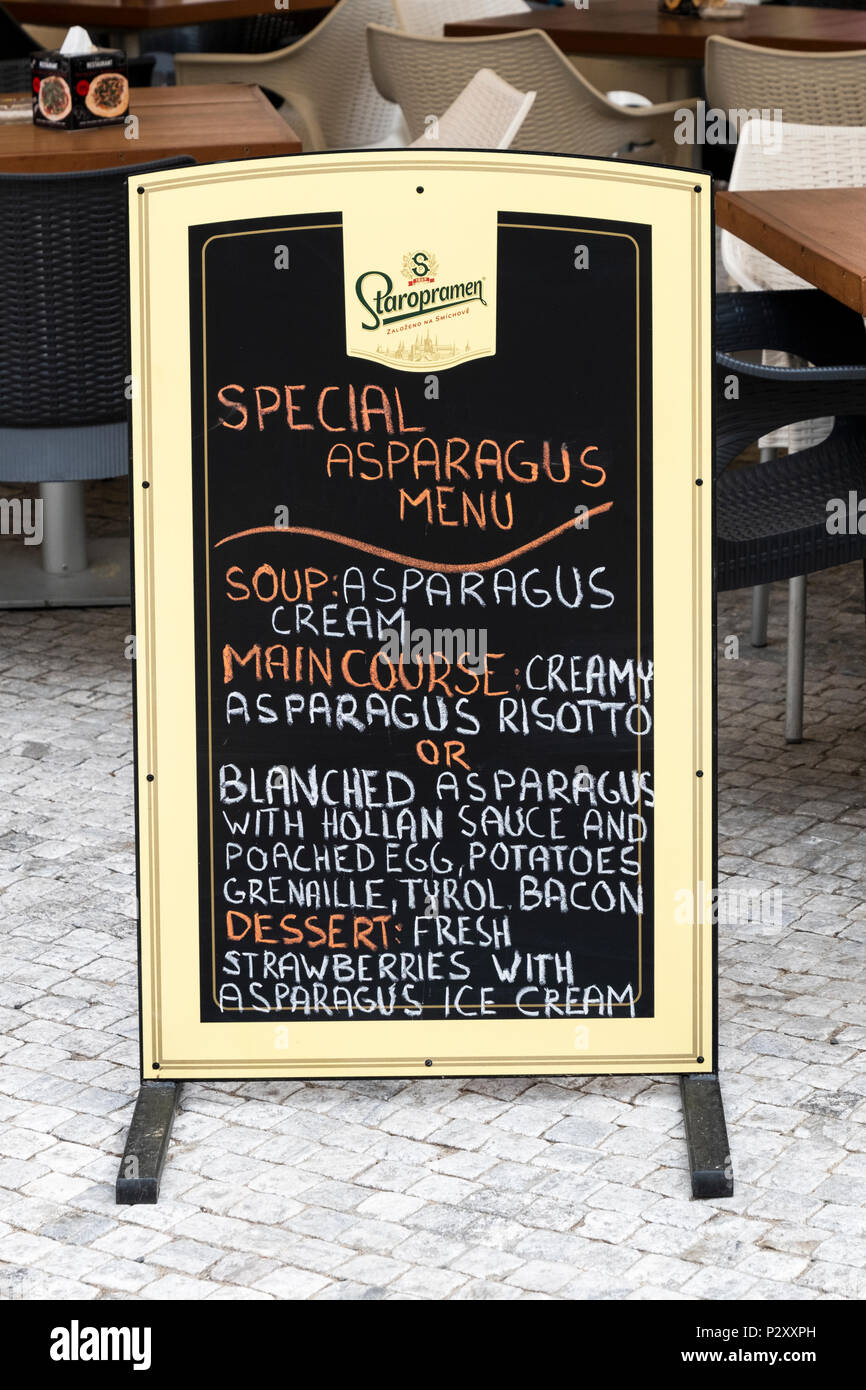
<point>424,613</point>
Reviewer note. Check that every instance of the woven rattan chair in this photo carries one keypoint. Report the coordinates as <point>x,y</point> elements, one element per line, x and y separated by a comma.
<point>324,78</point>
<point>64,369</point>
<point>772,516</point>
<point>425,75</point>
<point>808,88</point>
<point>430,16</point>
<point>787,156</point>
<point>486,116</point>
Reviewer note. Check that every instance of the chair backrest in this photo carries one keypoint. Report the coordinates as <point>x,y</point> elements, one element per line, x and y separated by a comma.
<point>16,75</point>
<point>486,116</point>
<point>808,88</point>
<point>425,75</point>
<point>324,77</point>
<point>350,109</point>
<point>64,306</point>
<point>257,33</point>
<point>430,16</point>
<point>140,70</point>
<point>261,33</point>
<point>771,155</point>
<point>15,42</point>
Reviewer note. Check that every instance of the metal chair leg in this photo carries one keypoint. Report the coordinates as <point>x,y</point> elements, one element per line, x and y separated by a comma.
<point>64,535</point>
<point>760,611</point>
<point>761,592</point>
<point>796,659</point>
<point>65,570</point>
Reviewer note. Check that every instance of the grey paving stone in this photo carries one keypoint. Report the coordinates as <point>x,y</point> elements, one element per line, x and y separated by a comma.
<point>484,1290</point>
<point>472,1189</point>
<point>292,1283</point>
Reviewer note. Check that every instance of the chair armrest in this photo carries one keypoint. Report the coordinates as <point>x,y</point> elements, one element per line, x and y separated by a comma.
<point>769,397</point>
<point>235,60</point>
<point>804,322</point>
<point>649,113</point>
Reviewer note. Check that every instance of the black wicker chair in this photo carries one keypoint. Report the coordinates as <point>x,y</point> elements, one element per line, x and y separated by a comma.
<point>772,516</point>
<point>15,42</point>
<point>258,33</point>
<point>64,366</point>
<point>15,75</point>
<point>140,70</point>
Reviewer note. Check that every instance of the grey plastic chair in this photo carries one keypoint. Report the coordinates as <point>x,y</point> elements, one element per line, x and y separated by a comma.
<point>323,77</point>
<point>425,75</point>
<point>808,88</point>
<point>486,116</point>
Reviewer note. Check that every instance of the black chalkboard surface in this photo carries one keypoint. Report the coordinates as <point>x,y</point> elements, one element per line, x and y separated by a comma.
<point>424,638</point>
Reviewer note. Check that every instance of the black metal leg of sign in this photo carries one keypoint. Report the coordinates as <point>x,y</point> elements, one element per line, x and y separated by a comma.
<point>706,1136</point>
<point>147,1143</point>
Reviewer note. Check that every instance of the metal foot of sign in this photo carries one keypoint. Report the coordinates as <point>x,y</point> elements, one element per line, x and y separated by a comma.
<point>706,1136</point>
<point>147,1143</point>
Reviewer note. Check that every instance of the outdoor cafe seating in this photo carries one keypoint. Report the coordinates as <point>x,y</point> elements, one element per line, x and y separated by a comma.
<point>372,73</point>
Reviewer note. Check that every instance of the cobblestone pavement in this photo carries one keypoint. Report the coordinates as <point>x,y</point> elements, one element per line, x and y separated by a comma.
<point>463,1189</point>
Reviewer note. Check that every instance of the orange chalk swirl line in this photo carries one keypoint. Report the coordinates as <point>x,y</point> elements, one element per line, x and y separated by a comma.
<point>408,559</point>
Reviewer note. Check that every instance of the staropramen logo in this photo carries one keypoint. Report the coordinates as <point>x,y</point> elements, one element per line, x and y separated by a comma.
<point>420,303</point>
<point>385,305</point>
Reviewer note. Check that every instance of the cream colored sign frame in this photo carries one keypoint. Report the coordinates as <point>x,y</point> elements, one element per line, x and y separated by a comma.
<point>676,205</point>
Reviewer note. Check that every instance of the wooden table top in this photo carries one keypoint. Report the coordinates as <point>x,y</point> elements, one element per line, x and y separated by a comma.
<point>818,233</point>
<point>637,29</point>
<point>144,14</point>
<point>211,123</point>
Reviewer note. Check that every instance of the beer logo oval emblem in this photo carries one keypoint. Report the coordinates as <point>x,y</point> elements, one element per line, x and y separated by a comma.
<point>419,265</point>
